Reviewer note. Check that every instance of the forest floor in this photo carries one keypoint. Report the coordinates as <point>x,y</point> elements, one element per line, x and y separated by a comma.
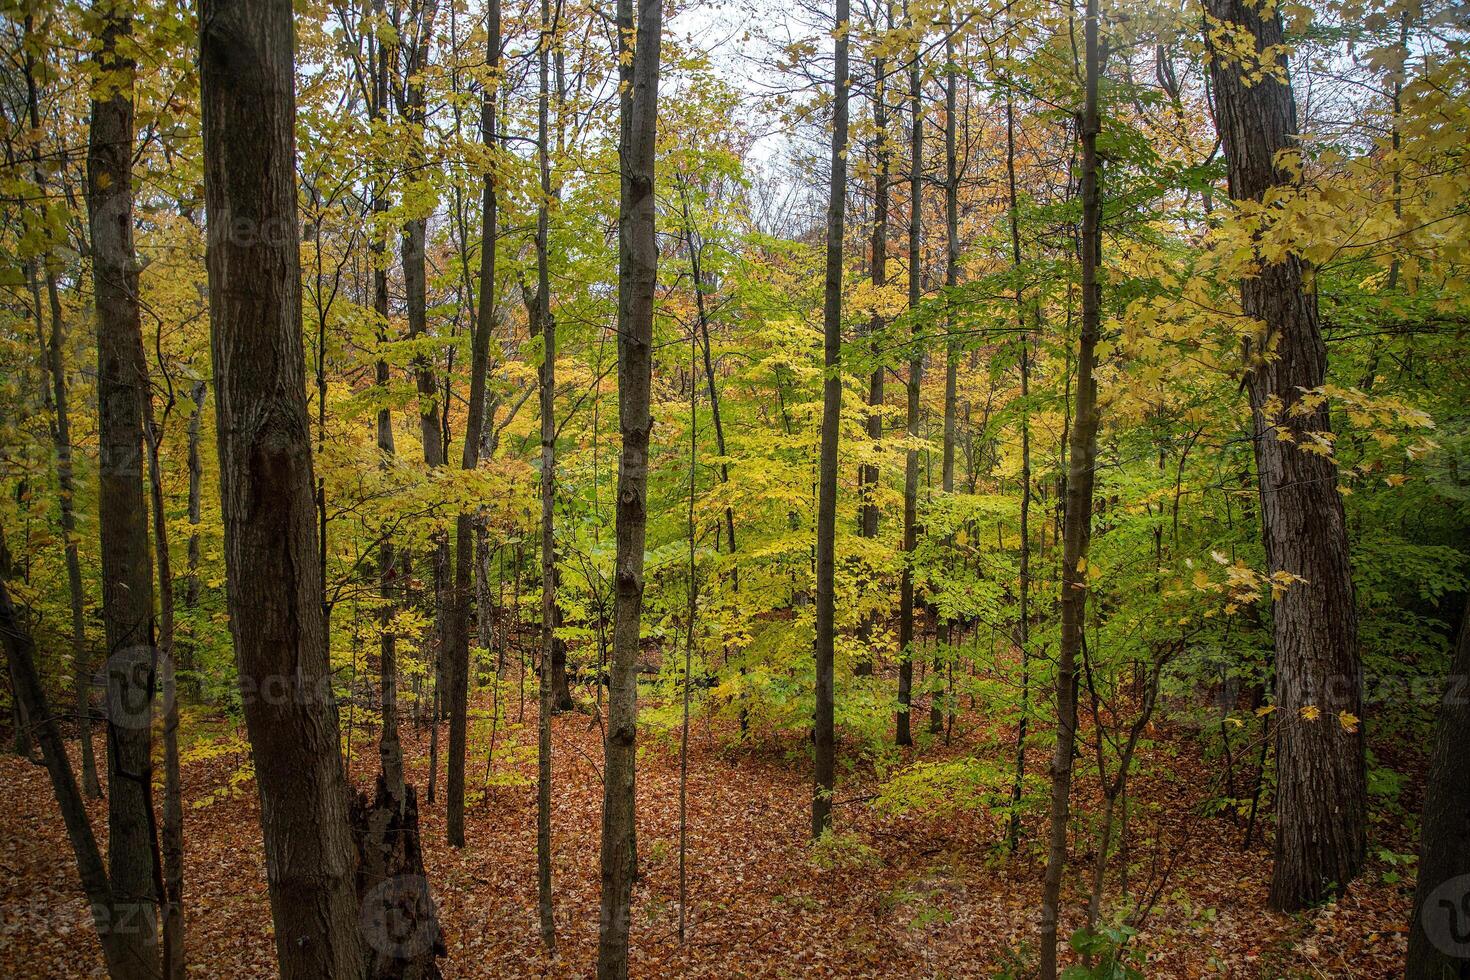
<point>904,896</point>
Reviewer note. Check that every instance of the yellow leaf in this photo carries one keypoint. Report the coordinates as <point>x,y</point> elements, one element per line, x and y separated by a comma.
<point>1348,721</point>
<point>1311,712</point>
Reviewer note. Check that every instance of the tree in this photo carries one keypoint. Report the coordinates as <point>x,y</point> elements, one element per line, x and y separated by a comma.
<point>61,436</point>
<point>637,279</point>
<point>904,732</point>
<point>1077,521</point>
<point>1321,804</point>
<point>951,348</point>
<point>868,476</point>
<point>247,65</point>
<point>458,646</point>
<point>543,324</point>
<point>122,393</point>
<point>831,426</point>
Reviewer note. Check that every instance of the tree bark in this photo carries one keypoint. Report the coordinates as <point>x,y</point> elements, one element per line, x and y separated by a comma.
<point>421,17</point>
<point>904,734</point>
<point>464,544</point>
<point>1321,807</point>
<point>641,23</point>
<point>266,487</point>
<point>1439,934</point>
<point>172,893</point>
<point>1077,527</point>
<point>824,740</point>
<point>868,475</point>
<point>1023,625</point>
<point>545,326</point>
<point>951,347</point>
<point>122,390</point>
<point>390,746</point>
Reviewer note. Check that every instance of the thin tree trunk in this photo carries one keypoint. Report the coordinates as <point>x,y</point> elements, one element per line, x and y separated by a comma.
<point>639,22</point>
<point>831,425</point>
<point>688,646</point>
<point>1321,801</point>
<point>172,897</point>
<point>127,571</point>
<point>390,747</point>
<point>868,475</point>
<point>457,631</point>
<point>266,485</point>
<point>1077,529</point>
<point>415,287</point>
<point>904,734</point>
<point>55,356</point>
<point>188,657</point>
<point>545,326</point>
<point>1023,626</point>
<point>951,347</point>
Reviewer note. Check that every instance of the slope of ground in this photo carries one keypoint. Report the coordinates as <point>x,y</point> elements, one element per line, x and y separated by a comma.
<point>898,896</point>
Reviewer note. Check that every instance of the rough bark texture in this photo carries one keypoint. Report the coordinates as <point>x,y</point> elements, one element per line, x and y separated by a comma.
<point>1439,937</point>
<point>457,630</point>
<point>122,388</point>
<point>266,486</point>
<point>637,279</point>
<point>1321,805</point>
<point>1077,522</point>
<point>400,925</point>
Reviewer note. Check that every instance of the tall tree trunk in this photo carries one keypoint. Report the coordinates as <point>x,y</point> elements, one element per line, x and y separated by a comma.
<point>545,327</point>
<point>1439,945</point>
<point>187,658</point>
<point>868,475</point>
<point>266,488</point>
<point>415,39</point>
<point>951,346</point>
<point>1023,626</point>
<point>458,667</point>
<point>172,893</point>
<point>1077,528</point>
<point>831,426</point>
<point>122,391</point>
<point>637,279</point>
<point>55,355</point>
<point>904,735</point>
<point>1321,802</point>
<point>390,746</point>
<point>125,957</point>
